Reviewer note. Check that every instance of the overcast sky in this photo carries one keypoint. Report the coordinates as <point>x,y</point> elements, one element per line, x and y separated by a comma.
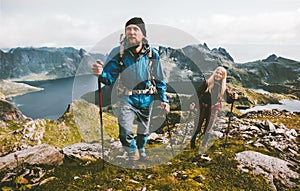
<point>249,30</point>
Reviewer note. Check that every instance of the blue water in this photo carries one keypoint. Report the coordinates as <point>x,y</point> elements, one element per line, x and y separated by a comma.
<point>285,104</point>
<point>53,101</point>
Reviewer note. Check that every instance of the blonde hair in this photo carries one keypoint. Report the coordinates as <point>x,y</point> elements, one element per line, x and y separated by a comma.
<point>211,81</point>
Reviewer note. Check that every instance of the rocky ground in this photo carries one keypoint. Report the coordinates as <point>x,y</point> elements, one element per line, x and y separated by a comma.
<point>36,154</point>
<point>29,156</point>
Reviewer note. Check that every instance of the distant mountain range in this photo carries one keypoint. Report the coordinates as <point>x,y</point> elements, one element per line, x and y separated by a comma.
<point>274,74</point>
<point>49,62</point>
<point>193,62</point>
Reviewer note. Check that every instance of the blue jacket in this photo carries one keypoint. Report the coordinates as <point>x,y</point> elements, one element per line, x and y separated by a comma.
<point>136,73</point>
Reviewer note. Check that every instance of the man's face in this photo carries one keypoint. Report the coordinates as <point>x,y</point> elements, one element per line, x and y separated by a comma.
<point>134,35</point>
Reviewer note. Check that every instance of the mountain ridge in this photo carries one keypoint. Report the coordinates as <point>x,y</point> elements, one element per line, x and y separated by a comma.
<point>53,62</point>
<point>274,73</point>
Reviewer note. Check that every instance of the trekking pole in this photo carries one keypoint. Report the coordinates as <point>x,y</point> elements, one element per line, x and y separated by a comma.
<point>101,120</point>
<point>170,134</point>
<point>188,125</point>
<point>230,117</point>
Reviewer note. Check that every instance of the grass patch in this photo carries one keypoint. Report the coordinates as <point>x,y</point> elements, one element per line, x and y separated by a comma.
<point>187,171</point>
<point>291,122</point>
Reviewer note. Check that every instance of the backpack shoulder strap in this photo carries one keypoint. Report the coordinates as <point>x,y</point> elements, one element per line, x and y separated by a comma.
<point>150,53</point>
<point>121,54</point>
<point>152,68</point>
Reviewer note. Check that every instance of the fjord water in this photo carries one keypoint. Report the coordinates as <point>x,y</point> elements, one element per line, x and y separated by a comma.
<point>285,104</point>
<point>53,101</point>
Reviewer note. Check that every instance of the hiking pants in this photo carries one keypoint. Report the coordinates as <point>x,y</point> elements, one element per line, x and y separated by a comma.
<point>209,115</point>
<point>204,114</point>
<point>126,117</point>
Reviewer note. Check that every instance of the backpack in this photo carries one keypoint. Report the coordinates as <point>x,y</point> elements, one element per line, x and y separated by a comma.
<point>122,89</point>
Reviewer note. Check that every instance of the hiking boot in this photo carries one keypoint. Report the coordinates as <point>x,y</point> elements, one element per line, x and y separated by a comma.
<point>143,156</point>
<point>134,156</point>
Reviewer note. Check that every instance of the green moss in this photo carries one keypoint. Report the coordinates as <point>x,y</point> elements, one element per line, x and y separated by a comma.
<point>86,117</point>
<point>60,135</point>
<point>291,122</point>
<point>11,136</point>
<point>69,129</point>
<point>187,171</point>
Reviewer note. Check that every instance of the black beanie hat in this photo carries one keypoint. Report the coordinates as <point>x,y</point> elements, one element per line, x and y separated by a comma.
<point>139,22</point>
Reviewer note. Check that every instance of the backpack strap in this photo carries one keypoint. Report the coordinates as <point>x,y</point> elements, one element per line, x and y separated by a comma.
<point>150,55</point>
<point>150,74</point>
<point>121,49</point>
<point>152,89</point>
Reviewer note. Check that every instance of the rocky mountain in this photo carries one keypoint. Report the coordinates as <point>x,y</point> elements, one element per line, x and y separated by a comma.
<point>10,112</point>
<point>48,62</point>
<point>274,74</point>
<point>65,62</point>
<point>189,64</point>
<point>193,61</point>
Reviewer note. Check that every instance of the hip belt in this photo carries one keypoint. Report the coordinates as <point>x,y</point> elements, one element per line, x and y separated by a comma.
<point>125,91</point>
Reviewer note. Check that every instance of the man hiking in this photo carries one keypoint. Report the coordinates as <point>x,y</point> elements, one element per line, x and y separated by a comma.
<point>138,68</point>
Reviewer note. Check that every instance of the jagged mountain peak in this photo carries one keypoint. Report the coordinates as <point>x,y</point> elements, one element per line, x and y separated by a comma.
<point>197,58</point>
<point>220,52</point>
<point>271,58</point>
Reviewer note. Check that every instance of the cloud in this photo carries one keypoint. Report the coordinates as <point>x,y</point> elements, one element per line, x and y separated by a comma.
<point>269,28</point>
<point>58,29</point>
<point>55,30</point>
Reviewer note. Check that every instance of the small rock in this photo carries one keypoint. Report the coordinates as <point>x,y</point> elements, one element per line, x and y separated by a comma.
<point>76,177</point>
<point>258,145</point>
<point>269,125</point>
<point>134,181</point>
<point>205,157</point>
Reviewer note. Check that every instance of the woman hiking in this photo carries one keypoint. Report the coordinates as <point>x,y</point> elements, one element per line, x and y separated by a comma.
<point>210,93</point>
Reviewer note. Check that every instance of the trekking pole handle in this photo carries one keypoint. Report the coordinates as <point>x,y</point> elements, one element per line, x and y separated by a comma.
<point>101,119</point>
<point>235,96</point>
<point>165,106</point>
<point>97,68</point>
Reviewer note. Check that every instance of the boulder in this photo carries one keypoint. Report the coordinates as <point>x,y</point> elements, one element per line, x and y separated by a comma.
<point>37,155</point>
<point>269,125</point>
<point>83,151</point>
<point>9,112</point>
<point>270,167</point>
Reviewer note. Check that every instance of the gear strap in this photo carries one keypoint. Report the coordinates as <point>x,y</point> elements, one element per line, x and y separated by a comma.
<point>124,90</point>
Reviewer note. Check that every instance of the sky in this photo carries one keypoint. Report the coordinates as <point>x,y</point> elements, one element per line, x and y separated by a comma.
<point>248,30</point>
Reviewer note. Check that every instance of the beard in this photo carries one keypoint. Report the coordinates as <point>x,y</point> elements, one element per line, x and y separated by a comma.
<point>132,42</point>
